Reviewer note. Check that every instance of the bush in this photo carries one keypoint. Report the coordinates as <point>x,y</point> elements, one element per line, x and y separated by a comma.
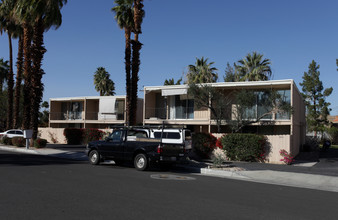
<point>40,143</point>
<point>6,140</point>
<point>82,136</point>
<point>92,134</point>
<point>311,144</point>
<point>73,135</point>
<point>203,144</point>
<point>218,157</point>
<point>287,158</point>
<point>244,147</point>
<point>18,141</point>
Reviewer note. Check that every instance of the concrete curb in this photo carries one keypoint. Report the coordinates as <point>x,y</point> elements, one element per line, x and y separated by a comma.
<point>223,173</point>
<point>20,150</point>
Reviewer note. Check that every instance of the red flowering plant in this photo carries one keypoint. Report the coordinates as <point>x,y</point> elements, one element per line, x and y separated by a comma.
<point>287,158</point>
<point>92,134</point>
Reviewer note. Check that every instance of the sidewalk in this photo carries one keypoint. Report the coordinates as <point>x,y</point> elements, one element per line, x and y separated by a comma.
<point>295,176</point>
<point>72,155</point>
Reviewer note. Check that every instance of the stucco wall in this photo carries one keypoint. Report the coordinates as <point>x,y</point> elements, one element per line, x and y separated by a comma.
<point>57,133</point>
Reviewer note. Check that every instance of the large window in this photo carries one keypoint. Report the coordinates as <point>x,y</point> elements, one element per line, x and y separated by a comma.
<point>263,106</point>
<point>181,108</point>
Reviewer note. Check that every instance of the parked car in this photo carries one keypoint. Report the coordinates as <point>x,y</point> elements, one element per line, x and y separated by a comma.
<point>12,133</point>
<point>126,144</point>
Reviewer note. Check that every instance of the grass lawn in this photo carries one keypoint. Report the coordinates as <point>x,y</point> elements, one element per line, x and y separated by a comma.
<point>334,146</point>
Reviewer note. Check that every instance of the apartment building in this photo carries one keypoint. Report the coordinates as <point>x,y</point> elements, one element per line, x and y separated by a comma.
<point>101,112</point>
<point>172,105</point>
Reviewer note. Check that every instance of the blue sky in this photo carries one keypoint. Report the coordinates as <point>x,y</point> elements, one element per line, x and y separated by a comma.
<point>291,33</point>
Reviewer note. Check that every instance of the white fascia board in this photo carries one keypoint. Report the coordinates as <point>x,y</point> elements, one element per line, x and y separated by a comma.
<point>86,97</point>
<point>223,84</point>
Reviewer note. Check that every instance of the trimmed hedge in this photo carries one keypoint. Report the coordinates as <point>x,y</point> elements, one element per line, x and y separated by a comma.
<point>18,141</point>
<point>40,143</point>
<point>82,136</point>
<point>6,140</point>
<point>244,147</point>
<point>203,144</point>
<point>73,135</point>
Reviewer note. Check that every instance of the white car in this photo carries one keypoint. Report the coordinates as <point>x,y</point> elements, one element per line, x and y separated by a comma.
<point>12,133</point>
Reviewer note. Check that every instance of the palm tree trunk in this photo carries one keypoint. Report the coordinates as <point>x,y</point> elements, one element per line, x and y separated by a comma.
<point>27,76</point>
<point>135,78</point>
<point>128,78</point>
<point>37,87</point>
<point>19,65</point>
<point>10,83</point>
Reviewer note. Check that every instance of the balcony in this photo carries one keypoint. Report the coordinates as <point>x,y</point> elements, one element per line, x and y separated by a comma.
<point>66,115</point>
<point>174,113</point>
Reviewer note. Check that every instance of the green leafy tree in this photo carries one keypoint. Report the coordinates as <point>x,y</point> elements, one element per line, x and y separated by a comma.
<point>171,81</point>
<point>206,96</point>
<point>103,83</point>
<point>231,74</point>
<point>254,68</point>
<point>44,115</point>
<point>270,102</point>
<point>202,72</point>
<point>314,95</point>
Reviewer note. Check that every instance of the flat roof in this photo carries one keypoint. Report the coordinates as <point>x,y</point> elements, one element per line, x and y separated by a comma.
<point>226,84</point>
<point>86,97</point>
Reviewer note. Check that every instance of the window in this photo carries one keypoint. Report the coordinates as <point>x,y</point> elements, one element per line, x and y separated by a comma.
<point>181,108</point>
<point>169,135</point>
<point>116,136</point>
<point>286,97</point>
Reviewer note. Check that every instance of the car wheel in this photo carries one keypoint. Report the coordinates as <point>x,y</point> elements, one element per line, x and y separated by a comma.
<point>141,162</point>
<point>94,157</point>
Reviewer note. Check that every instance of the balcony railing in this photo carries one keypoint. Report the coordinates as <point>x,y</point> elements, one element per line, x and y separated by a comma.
<point>67,116</point>
<point>177,112</point>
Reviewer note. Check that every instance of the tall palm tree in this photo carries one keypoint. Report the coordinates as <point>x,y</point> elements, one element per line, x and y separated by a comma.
<point>17,92</point>
<point>138,18</point>
<point>124,16</point>
<point>4,68</point>
<point>41,15</point>
<point>254,68</point>
<point>103,83</point>
<point>9,25</point>
<point>202,72</point>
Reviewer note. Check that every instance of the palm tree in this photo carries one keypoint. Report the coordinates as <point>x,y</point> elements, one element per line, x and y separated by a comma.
<point>254,68</point>
<point>124,16</point>
<point>8,24</point>
<point>202,72</point>
<point>41,15</point>
<point>103,83</point>
<point>138,18</point>
<point>17,93</point>
<point>4,68</point>
<point>171,81</point>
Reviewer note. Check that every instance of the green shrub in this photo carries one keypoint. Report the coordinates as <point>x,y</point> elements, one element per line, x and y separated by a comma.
<point>244,147</point>
<point>40,143</point>
<point>73,135</point>
<point>203,144</point>
<point>19,141</point>
<point>6,140</point>
<point>92,134</point>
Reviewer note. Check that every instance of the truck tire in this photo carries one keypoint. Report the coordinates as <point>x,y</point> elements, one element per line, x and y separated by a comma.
<point>141,162</point>
<point>94,157</point>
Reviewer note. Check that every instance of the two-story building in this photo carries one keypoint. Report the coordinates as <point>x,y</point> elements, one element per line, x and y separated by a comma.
<point>90,112</point>
<point>172,105</point>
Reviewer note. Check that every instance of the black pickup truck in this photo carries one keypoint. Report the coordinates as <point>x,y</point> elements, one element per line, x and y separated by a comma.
<point>135,146</point>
